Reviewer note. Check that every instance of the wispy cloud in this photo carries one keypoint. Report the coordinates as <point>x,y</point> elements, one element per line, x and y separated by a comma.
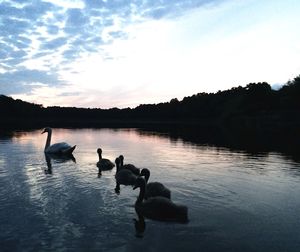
<point>94,48</point>
<point>39,37</point>
<point>24,80</point>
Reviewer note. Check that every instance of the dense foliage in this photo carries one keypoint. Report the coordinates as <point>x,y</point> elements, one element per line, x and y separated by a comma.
<point>255,102</point>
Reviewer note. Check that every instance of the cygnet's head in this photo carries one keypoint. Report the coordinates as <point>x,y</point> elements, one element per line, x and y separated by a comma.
<point>146,173</point>
<point>117,161</point>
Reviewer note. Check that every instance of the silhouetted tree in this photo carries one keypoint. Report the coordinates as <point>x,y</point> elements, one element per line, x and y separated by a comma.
<point>255,102</point>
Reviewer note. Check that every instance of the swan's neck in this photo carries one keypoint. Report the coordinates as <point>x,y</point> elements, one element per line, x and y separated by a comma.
<point>141,195</point>
<point>48,141</point>
<point>100,156</point>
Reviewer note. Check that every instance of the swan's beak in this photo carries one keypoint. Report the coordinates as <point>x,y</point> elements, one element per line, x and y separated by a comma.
<point>134,187</point>
<point>43,131</point>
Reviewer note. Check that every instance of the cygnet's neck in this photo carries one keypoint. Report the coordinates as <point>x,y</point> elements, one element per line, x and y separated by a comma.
<point>142,193</point>
<point>117,167</point>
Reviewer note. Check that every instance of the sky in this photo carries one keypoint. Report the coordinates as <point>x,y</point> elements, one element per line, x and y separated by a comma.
<point>120,53</point>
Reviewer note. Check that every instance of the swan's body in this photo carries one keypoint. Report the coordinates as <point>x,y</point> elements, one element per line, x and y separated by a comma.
<point>60,148</point>
<point>57,148</point>
<point>158,208</point>
<point>123,176</point>
<point>154,189</point>
<point>130,167</point>
<point>104,163</point>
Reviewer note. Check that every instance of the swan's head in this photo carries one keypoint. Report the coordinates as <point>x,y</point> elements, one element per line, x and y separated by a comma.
<point>47,129</point>
<point>99,151</point>
<point>140,182</point>
<point>121,157</point>
<point>146,173</point>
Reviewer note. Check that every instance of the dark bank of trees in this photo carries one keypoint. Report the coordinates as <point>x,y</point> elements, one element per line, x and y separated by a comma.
<point>256,106</point>
<point>254,99</point>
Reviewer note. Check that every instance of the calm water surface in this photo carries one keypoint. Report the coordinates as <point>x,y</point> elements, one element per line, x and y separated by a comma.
<point>237,201</point>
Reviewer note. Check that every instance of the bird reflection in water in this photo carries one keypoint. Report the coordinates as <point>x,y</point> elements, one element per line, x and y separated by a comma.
<point>58,158</point>
<point>140,225</point>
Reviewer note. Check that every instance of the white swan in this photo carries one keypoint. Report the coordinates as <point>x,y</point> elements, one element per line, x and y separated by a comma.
<point>158,208</point>
<point>57,148</point>
<point>154,189</point>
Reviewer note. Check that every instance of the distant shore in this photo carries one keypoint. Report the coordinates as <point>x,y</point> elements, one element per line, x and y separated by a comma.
<point>255,115</point>
<point>259,133</point>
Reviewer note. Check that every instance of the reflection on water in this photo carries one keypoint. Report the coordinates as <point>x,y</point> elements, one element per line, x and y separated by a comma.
<point>238,200</point>
<point>57,158</point>
<point>139,225</point>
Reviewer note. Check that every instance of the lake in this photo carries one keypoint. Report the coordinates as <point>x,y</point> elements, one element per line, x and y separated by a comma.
<point>237,200</point>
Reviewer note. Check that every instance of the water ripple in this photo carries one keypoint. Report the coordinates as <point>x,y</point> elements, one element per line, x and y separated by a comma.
<point>64,205</point>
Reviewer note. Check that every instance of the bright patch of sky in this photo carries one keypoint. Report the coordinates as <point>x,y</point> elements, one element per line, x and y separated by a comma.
<point>123,53</point>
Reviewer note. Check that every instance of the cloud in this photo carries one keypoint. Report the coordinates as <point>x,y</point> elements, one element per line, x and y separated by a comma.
<point>91,4</point>
<point>13,25</point>
<point>53,44</point>
<point>76,21</point>
<point>61,34</point>
<point>24,81</point>
<point>53,29</point>
<point>97,47</point>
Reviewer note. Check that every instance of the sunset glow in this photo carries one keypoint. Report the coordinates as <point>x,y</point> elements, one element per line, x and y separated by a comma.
<point>103,54</point>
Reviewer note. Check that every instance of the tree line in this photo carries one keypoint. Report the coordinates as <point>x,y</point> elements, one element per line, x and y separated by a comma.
<point>255,105</point>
